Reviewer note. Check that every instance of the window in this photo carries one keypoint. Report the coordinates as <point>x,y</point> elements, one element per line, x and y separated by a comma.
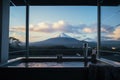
<point>17,32</point>
<point>110,32</point>
<point>62,30</point>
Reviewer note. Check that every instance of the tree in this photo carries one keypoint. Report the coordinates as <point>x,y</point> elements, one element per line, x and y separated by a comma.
<point>14,42</point>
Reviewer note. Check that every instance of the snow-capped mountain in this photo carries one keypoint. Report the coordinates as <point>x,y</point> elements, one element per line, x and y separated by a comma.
<point>64,35</point>
<point>61,40</point>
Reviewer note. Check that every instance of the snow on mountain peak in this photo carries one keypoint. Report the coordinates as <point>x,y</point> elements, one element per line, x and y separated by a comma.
<point>64,35</point>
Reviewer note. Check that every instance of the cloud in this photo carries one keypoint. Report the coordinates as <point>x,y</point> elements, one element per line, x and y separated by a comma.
<point>112,33</point>
<point>103,30</point>
<point>42,27</point>
<point>87,30</point>
<point>115,34</point>
<point>60,26</point>
<point>18,36</point>
<point>17,28</point>
<point>107,28</point>
<point>109,32</point>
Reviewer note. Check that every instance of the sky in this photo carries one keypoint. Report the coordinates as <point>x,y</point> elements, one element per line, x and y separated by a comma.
<point>79,22</point>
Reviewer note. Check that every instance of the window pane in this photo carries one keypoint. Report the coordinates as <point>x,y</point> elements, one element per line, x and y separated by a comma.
<point>17,32</point>
<point>110,44</point>
<point>62,30</point>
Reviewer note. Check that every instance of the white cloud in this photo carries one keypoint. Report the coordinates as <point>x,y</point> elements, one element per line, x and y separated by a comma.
<point>107,28</point>
<point>17,28</point>
<point>62,26</point>
<point>103,29</point>
<point>55,27</point>
<point>115,34</point>
<point>59,25</point>
<point>87,30</point>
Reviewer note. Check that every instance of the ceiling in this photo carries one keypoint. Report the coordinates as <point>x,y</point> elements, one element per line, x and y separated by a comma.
<point>66,2</point>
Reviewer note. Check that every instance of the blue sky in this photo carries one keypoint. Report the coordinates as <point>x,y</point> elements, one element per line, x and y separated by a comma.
<point>79,22</point>
<point>72,14</point>
<point>109,14</point>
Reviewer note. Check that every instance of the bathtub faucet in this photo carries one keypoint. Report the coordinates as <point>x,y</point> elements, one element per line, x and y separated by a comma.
<point>59,57</point>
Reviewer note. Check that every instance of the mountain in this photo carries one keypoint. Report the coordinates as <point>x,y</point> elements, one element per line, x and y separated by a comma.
<point>106,43</point>
<point>89,40</point>
<point>64,35</point>
<point>110,43</point>
<point>61,40</point>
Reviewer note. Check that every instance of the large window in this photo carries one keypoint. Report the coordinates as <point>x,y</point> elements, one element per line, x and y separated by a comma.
<point>17,32</point>
<point>53,30</point>
<point>62,30</point>
<point>110,32</point>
